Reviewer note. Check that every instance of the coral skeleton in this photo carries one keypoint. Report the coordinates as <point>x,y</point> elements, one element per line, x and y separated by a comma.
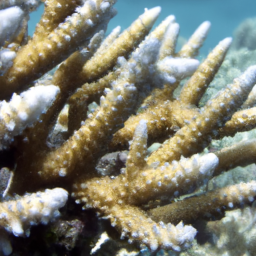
<point>48,84</point>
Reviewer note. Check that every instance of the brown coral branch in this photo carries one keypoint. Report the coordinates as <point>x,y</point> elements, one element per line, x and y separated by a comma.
<point>193,208</point>
<point>240,154</point>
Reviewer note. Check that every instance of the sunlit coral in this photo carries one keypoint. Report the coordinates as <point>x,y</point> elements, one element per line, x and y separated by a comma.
<point>131,78</point>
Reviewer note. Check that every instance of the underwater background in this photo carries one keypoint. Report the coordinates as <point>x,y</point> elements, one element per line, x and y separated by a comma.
<point>225,15</point>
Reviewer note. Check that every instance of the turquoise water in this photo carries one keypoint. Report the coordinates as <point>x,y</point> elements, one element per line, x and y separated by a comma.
<point>225,15</point>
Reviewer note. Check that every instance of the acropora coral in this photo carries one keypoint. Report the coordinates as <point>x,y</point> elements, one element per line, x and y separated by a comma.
<point>131,78</point>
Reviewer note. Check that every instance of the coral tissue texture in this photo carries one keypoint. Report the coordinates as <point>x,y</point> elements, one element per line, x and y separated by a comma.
<point>70,95</point>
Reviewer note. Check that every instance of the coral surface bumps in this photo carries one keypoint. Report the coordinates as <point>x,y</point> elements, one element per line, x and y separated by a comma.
<point>130,77</point>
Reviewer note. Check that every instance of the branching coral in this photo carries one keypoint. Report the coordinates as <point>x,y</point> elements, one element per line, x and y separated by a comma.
<point>31,209</point>
<point>17,215</point>
<point>132,77</point>
<point>24,110</point>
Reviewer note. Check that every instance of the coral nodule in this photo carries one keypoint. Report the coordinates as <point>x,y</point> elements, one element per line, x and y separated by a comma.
<point>83,96</point>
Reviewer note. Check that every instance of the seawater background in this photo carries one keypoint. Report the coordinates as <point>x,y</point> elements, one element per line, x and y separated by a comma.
<point>225,15</point>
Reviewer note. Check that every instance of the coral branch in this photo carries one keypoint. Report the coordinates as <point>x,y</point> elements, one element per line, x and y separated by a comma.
<point>195,207</point>
<point>23,110</point>
<point>40,56</point>
<point>193,137</point>
<point>18,215</point>
<point>190,49</point>
<point>196,86</point>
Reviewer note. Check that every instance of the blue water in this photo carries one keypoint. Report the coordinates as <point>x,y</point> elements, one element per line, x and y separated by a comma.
<point>225,15</point>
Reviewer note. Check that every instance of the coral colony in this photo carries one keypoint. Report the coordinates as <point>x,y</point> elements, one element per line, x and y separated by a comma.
<point>131,76</point>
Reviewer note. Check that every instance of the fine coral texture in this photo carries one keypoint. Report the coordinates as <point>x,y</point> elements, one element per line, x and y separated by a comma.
<point>70,96</point>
